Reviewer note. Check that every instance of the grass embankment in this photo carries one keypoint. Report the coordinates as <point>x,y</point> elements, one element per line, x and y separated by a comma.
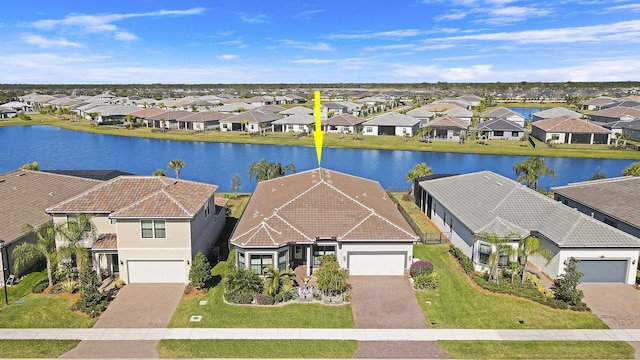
<point>538,349</point>
<point>497,147</point>
<point>36,348</point>
<point>416,214</point>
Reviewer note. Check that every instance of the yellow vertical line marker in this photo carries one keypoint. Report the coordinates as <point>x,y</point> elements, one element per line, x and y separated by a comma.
<point>318,134</point>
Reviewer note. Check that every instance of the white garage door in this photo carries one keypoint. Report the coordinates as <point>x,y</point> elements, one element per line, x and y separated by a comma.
<point>148,271</point>
<point>376,264</point>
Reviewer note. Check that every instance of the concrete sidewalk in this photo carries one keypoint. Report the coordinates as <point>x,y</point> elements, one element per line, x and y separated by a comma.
<point>115,334</point>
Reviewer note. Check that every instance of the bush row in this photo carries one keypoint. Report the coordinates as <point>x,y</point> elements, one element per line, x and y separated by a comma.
<point>463,260</point>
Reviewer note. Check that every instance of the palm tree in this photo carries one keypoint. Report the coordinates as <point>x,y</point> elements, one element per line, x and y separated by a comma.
<point>264,170</point>
<point>500,246</point>
<point>176,165</point>
<point>245,125</point>
<point>528,171</point>
<point>44,247</point>
<point>31,166</point>
<point>276,279</point>
<point>78,235</point>
<point>418,170</point>
<point>160,172</point>
<point>424,132</point>
<point>530,246</point>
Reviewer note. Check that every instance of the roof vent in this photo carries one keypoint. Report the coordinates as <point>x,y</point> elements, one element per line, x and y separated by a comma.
<point>21,174</point>
<point>51,193</point>
<point>498,183</point>
<point>486,177</point>
<point>2,180</point>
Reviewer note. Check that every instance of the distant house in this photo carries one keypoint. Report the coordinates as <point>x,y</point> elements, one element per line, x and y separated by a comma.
<point>102,175</point>
<point>474,100</point>
<point>330,109</point>
<point>632,128</point>
<point>255,121</point>
<point>7,113</point>
<point>569,130</point>
<point>421,114</point>
<point>270,109</point>
<point>448,128</point>
<point>342,124</point>
<point>147,229</point>
<point>167,119</point>
<point>461,113</point>
<point>614,114</point>
<point>113,114</point>
<point>25,195</point>
<point>503,112</point>
<point>613,201</point>
<point>554,112</point>
<point>292,221</point>
<point>297,110</point>
<point>17,106</point>
<point>392,123</point>
<point>293,123</point>
<point>468,205</point>
<point>500,129</point>
<point>295,99</point>
<point>202,121</point>
<point>597,103</point>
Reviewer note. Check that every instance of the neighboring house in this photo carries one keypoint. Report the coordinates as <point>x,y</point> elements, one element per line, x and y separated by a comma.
<point>569,130</point>
<point>623,103</point>
<point>330,109</point>
<point>391,123</point>
<point>421,114</point>
<point>632,128</point>
<point>474,100</point>
<point>448,128</point>
<point>113,114</point>
<point>270,109</point>
<point>484,202</point>
<point>503,112</point>
<point>342,124</point>
<point>147,228</point>
<point>202,121</point>
<point>250,121</point>
<point>499,129</point>
<point>461,113</point>
<point>147,113</point>
<point>18,106</point>
<point>295,99</point>
<point>597,103</point>
<point>7,113</point>
<point>614,114</point>
<point>293,220</point>
<point>554,112</point>
<point>613,201</point>
<point>25,195</point>
<point>235,107</point>
<point>167,119</point>
<point>102,175</point>
<point>297,110</point>
<point>440,107</point>
<point>293,123</point>
<point>260,100</point>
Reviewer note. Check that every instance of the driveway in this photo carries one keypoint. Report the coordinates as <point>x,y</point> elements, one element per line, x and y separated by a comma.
<point>135,306</point>
<point>388,302</point>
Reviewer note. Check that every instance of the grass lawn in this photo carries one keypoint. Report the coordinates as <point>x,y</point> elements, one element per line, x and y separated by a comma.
<point>35,348</point>
<point>538,349</point>
<point>38,310</point>
<point>418,216</point>
<point>457,303</point>
<point>310,349</point>
<point>218,314</point>
<point>499,147</point>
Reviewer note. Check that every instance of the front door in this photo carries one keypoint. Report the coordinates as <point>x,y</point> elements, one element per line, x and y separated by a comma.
<point>115,264</point>
<point>298,255</point>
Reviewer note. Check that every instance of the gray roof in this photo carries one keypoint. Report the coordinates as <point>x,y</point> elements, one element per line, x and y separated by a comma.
<point>253,117</point>
<point>420,113</point>
<point>487,202</point>
<point>299,119</point>
<point>556,112</point>
<point>499,124</point>
<point>500,112</point>
<point>393,119</point>
<point>617,197</point>
<point>297,110</point>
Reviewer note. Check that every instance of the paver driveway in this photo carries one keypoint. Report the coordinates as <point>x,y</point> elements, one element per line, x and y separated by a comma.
<point>135,306</point>
<point>388,302</point>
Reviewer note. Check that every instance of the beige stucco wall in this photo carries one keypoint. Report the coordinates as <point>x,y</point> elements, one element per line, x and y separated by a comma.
<point>178,235</point>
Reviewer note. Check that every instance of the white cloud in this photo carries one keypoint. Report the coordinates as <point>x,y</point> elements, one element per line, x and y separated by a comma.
<point>254,19</point>
<point>125,36</point>
<point>628,7</point>
<point>391,34</point>
<point>454,74</point>
<point>308,13</point>
<point>319,46</point>
<point>451,16</point>
<point>45,43</point>
<point>313,61</point>
<point>227,57</point>
<point>389,47</point>
<point>511,14</point>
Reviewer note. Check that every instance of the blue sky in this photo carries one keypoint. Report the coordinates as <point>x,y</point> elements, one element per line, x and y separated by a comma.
<point>111,42</point>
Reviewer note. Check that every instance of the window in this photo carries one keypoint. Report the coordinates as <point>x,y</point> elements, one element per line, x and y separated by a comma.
<point>240,260</point>
<point>259,263</point>
<point>320,250</point>
<point>503,258</point>
<point>484,253</point>
<point>76,218</point>
<point>611,222</point>
<point>153,229</point>
<point>113,221</point>
<point>498,133</point>
<point>282,261</point>
<point>456,133</point>
<point>206,209</point>
<point>369,129</point>
<point>555,137</point>
<point>514,134</point>
<point>298,252</point>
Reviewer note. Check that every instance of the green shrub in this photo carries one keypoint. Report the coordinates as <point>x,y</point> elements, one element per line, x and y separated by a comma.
<point>264,299</point>
<point>427,282</point>
<point>119,284</point>
<point>69,286</point>
<point>39,287</point>
<point>422,267</point>
<point>92,301</point>
<point>463,260</point>
<point>200,272</point>
<point>187,289</point>
<point>242,298</point>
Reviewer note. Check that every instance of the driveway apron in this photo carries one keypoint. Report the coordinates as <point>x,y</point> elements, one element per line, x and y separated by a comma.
<point>388,302</point>
<point>135,306</point>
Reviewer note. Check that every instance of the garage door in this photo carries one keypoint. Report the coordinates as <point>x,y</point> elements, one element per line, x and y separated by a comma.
<point>166,271</point>
<point>376,264</point>
<point>612,271</point>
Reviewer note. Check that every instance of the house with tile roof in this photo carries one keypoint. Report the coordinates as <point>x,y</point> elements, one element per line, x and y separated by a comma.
<point>618,113</point>
<point>448,127</point>
<point>391,123</point>
<point>499,129</point>
<point>554,112</point>
<point>597,103</point>
<point>342,124</point>
<point>484,202</point>
<point>569,130</point>
<point>202,121</point>
<point>147,228</point>
<point>293,123</point>
<point>503,112</point>
<point>293,220</point>
<point>613,201</point>
<point>255,121</point>
<point>25,195</point>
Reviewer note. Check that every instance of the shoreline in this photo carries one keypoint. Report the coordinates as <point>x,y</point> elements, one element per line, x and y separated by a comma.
<point>495,147</point>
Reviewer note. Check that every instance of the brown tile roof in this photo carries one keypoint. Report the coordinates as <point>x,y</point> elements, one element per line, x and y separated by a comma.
<point>25,194</point>
<point>205,116</point>
<point>254,117</point>
<point>170,115</point>
<point>344,120</point>
<point>146,113</point>
<point>617,112</point>
<point>439,107</point>
<point>568,124</point>
<point>106,242</point>
<point>141,197</point>
<point>447,121</point>
<point>319,203</point>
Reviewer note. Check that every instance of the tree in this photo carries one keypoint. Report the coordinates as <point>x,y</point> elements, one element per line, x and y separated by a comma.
<point>419,170</point>
<point>176,165</point>
<point>331,279</point>
<point>236,184</point>
<point>632,170</point>
<point>598,175</point>
<point>276,279</point>
<point>565,287</point>
<point>245,124</point>
<point>530,246</point>
<point>264,170</point>
<point>424,133</point>
<point>44,247</point>
<point>530,170</point>
<point>241,285</point>
<point>31,166</point>
<point>200,272</point>
<point>160,172</point>
<point>92,300</point>
<point>500,246</point>
<point>78,234</point>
